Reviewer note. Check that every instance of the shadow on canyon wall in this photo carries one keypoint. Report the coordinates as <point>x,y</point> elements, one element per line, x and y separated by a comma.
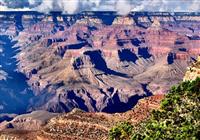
<point>14,92</point>
<point>115,105</point>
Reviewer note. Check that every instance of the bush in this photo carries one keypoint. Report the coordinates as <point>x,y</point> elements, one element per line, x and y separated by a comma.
<point>177,119</point>
<point>121,131</point>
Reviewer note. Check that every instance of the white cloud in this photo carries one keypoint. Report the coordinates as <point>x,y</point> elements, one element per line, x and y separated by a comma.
<point>69,6</point>
<point>32,2</point>
<point>195,6</point>
<point>121,6</point>
<point>45,6</point>
<point>5,8</point>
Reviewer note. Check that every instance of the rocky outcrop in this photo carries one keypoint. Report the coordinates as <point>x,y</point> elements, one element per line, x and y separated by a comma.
<point>3,75</point>
<point>32,121</point>
<point>123,21</point>
<point>193,71</point>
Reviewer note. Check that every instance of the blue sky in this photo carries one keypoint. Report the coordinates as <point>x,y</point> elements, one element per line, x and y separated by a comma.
<point>122,6</point>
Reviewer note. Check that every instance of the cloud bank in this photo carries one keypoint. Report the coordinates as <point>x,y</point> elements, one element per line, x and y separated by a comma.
<point>121,6</point>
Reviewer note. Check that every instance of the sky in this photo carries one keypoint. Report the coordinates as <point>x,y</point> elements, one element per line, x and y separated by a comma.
<point>123,7</point>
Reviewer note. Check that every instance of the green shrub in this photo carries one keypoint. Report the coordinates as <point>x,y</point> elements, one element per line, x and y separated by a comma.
<point>121,131</point>
<point>178,118</point>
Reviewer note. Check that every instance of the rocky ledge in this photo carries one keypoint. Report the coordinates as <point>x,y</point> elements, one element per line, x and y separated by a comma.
<point>77,124</point>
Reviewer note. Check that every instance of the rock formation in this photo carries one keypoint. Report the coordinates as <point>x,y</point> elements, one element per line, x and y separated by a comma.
<point>193,71</point>
<point>32,121</point>
<point>89,62</point>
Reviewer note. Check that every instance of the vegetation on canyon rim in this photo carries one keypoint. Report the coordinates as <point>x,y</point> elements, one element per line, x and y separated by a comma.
<point>178,118</point>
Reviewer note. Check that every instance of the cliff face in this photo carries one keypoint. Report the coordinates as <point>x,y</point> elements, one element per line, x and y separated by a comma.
<point>100,62</point>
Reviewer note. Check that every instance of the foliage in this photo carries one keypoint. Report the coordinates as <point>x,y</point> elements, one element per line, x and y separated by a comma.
<point>121,131</point>
<point>178,118</point>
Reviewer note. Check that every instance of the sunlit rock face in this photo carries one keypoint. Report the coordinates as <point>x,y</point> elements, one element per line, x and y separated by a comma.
<point>100,61</point>
<point>193,71</point>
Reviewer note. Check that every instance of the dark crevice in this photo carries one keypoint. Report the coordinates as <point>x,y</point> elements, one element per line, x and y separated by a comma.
<point>100,64</point>
<point>170,58</point>
<point>14,92</point>
<point>116,106</point>
<point>127,55</point>
<point>136,42</point>
<point>144,52</point>
<point>80,102</point>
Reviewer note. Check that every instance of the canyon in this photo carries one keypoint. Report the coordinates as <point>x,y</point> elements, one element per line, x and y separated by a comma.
<point>93,61</point>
